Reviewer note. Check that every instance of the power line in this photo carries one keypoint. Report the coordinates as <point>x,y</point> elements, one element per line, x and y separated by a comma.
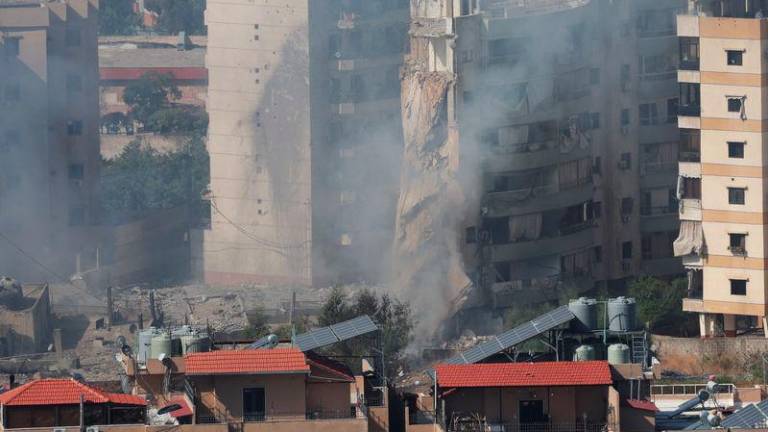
<point>32,258</point>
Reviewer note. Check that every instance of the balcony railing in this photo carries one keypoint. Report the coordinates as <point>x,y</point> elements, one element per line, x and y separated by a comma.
<point>659,210</point>
<point>690,65</point>
<point>689,110</point>
<point>309,415</point>
<point>532,427</point>
<point>689,156</point>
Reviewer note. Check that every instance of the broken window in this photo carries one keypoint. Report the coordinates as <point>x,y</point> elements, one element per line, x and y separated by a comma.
<point>737,243</point>
<point>649,114</point>
<point>736,196</point>
<point>689,53</point>
<point>734,104</point>
<point>691,188</point>
<point>734,57</point>
<point>738,287</point>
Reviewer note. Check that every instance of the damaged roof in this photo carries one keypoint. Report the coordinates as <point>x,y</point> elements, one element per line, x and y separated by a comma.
<point>63,392</point>
<point>544,374</point>
<point>247,362</point>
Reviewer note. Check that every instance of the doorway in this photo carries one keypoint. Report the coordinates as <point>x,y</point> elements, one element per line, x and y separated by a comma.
<point>254,404</point>
<point>532,411</point>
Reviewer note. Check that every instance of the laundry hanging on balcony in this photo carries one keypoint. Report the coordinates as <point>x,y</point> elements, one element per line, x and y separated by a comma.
<point>525,227</point>
<point>690,240</point>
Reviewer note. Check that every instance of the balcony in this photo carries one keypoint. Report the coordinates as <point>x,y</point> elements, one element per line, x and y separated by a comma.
<point>531,427</point>
<point>693,305</point>
<point>689,156</point>
<point>689,110</point>
<point>671,208</point>
<point>564,241</point>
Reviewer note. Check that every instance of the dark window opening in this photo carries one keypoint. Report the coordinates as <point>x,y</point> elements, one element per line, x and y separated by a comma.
<point>11,46</point>
<point>76,171</point>
<point>735,150</point>
<point>738,287</point>
<point>597,254</point>
<point>690,145</point>
<point>626,250</point>
<point>503,271</point>
<point>737,243</point>
<point>625,117</point>
<point>691,188</point>
<point>735,57</point>
<point>734,104</point>
<point>74,128</point>
<point>690,99</point>
<point>626,206</point>
<point>736,196</point>
<point>254,404</point>
<point>689,53</point>
<point>470,235</point>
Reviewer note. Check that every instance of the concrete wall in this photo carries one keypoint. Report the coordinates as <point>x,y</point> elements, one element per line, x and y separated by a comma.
<point>350,425</point>
<point>28,330</point>
<point>284,394</point>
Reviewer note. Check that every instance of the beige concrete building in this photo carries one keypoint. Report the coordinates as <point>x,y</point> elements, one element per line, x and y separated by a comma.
<point>296,91</point>
<point>49,119</point>
<point>723,116</point>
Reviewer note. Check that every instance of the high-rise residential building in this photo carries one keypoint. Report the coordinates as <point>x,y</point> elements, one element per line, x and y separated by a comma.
<point>572,109</point>
<point>304,138</point>
<point>722,182</point>
<point>49,145</point>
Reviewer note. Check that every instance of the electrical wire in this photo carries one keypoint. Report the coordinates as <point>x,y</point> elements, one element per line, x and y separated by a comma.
<point>32,258</point>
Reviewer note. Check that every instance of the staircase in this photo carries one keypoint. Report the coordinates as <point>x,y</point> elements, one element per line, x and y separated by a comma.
<point>639,349</point>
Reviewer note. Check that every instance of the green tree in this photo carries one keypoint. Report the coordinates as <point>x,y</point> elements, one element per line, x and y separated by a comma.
<point>660,303</point>
<point>142,179</point>
<point>178,120</point>
<point>392,316</point>
<point>117,17</point>
<point>179,15</point>
<point>150,94</point>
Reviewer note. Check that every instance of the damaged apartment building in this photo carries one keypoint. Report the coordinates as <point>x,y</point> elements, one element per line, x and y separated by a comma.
<point>568,110</point>
<point>304,139</point>
<point>49,120</point>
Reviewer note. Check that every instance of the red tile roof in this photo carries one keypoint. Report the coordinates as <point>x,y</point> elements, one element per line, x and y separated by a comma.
<point>63,392</point>
<point>524,374</point>
<point>247,362</point>
<point>642,405</point>
<point>129,74</point>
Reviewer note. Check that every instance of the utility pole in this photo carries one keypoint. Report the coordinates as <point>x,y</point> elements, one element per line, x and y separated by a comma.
<point>82,413</point>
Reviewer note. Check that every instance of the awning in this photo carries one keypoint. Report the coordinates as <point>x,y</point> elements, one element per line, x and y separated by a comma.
<point>690,240</point>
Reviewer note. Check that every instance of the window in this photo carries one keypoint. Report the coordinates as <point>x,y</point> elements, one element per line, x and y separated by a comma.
<point>470,235</point>
<point>74,127</point>
<point>738,287</point>
<point>691,188</point>
<point>625,117</point>
<point>736,196</point>
<point>689,53</point>
<point>595,120</point>
<point>735,150</point>
<point>649,114</point>
<point>74,84</point>
<point>254,404</point>
<point>735,57</point>
<point>76,171</point>
<point>737,243</point>
<point>72,37</point>
<point>626,206</point>
<point>12,92</point>
<point>597,254</point>
<point>734,104</point>
<point>626,250</point>
<point>646,244</point>
<point>77,216</point>
<point>594,76</point>
<point>690,104</point>
<point>503,271</point>
<point>672,110</point>
<point>11,46</point>
<point>626,161</point>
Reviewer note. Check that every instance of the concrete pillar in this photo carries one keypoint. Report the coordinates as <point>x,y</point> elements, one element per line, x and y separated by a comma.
<point>729,325</point>
<point>706,325</point>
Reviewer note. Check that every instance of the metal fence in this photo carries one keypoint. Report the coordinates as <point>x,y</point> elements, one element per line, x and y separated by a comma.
<point>532,427</point>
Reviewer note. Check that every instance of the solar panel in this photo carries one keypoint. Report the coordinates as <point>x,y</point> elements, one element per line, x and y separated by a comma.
<point>515,336</point>
<point>316,339</point>
<point>751,416</point>
<point>335,333</point>
<point>354,327</point>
